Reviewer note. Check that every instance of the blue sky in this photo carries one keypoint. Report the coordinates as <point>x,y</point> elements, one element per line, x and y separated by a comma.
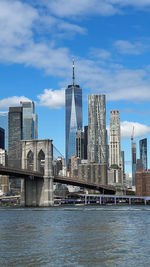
<point>110,42</point>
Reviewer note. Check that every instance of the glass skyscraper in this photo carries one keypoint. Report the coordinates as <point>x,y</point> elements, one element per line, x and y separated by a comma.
<point>2,138</point>
<point>14,136</point>
<point>29,120</point>
<point>73,122</point>
<point>143,152</point>
<point>4,125</point>
<point>22,125</point>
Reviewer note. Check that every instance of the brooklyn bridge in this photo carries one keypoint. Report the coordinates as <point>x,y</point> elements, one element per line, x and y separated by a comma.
<point>37,175</point>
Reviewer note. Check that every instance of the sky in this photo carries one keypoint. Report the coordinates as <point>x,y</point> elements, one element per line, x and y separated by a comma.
<point>110,42</point>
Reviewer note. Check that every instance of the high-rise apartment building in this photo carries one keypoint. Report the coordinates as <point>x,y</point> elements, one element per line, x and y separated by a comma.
<point>97,135</point>
<point>114,139</point>
<point>73,122</point>
<point>29,120</point>
<point>143,152</point>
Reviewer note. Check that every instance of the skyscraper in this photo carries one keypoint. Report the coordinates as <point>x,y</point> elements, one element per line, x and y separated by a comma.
<point>22,125</point>
<point>143,152</point>
<point>133,144</point>
<point>14,136</point>
<point>29,118</point>
<point>85,141</point>
<point>80,144</point>
<point>114,139</point>
<point>4,125</point>
<point>97,135</point>
<point>73,105</point>
<point>2,138</point>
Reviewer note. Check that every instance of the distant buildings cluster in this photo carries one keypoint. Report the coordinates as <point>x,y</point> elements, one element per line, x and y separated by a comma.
<point>87,147</point>
<point>89,155</point>
<point>87,151</point>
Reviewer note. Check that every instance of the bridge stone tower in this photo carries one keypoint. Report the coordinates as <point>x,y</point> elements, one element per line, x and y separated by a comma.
<point>37,155</point>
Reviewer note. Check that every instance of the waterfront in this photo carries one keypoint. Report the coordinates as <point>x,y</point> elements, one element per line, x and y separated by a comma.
<point>75,236</point>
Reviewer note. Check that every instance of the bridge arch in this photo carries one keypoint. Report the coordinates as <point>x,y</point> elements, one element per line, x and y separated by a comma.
<point>41,161</point>
<point>39,155</point>
<point>30,160</point>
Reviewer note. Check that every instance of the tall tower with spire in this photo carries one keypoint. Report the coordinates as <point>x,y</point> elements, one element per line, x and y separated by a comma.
<point>73,115</point>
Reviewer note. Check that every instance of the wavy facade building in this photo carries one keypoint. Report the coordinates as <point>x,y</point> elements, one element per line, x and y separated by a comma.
<point>97,134</point>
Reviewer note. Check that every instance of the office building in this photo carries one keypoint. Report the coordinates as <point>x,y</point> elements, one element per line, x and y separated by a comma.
<point>14,136</point>
<point>133,147</point>
<point>85,142</point>
<point>2,138</point>
<point>115,176</point>
<point>4,125</point>
<point>143,152</point>
<point>29,121</point>
<point>114,140</point>
<point>58,165</point>
<point>4,179</point>
<point>75,161</point>
<point>80,144</point>
<point>97,135</point>
<point>139,165</point>
<point>22,125</point>
<point>92,173</point>
<point>123,161</point>
<point>73,116</point>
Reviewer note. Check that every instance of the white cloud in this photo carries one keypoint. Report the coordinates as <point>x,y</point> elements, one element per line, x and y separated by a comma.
<point>16,22</point>
<point>76,8</point>
<point>117,82</point>
<point>65,8</point>
<point>126,47</point>
<point>17,45</point>
<point>17,41</point>
<point>71,27</point>
<point>52,98</point>
<point>12,101</point>
<point>139,129</point>
<point>100,53</point>
<point>133,3</point>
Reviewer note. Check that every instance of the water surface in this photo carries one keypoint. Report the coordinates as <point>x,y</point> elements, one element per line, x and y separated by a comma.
<point>75,236</point>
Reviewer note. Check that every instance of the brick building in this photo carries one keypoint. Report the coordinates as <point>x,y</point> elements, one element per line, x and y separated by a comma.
<point>143,183</point>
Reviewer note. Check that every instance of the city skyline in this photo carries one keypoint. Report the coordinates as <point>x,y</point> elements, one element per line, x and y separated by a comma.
<point>110,43</point>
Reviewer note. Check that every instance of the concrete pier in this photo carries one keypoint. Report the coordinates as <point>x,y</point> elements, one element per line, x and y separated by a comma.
<point>104,199</point>
<point>37,191</point>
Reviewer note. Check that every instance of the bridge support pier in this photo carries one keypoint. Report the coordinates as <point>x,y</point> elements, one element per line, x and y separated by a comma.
<point>46,198</point>
<point>37,192</point>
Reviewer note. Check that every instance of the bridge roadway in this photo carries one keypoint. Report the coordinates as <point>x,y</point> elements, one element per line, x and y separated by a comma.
<point>23,173</point>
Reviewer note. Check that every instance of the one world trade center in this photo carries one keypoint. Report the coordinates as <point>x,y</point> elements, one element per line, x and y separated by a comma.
<point>73,105</point>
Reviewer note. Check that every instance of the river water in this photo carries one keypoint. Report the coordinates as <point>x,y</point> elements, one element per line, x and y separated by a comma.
<point>75,236</point>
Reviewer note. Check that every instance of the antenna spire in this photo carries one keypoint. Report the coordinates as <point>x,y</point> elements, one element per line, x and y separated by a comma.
<point>73,77</point>
<point>132,135</point>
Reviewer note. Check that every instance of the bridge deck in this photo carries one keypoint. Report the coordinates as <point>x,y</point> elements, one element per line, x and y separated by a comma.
<point>24,173</point>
